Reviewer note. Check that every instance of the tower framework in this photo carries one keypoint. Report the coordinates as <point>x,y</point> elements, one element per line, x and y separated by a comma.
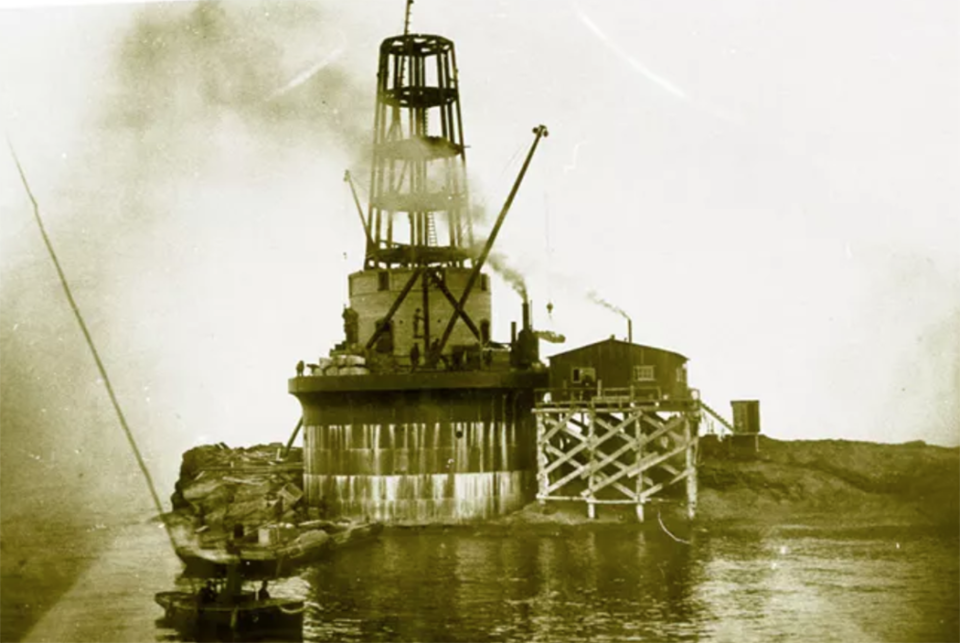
<point>420,416</point>
<point>418,187</point>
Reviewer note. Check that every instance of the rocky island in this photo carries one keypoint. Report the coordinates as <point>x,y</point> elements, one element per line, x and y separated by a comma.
<point>786,481</point>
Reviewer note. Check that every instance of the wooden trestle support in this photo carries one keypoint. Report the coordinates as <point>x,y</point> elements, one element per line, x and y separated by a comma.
<point>616,450</point>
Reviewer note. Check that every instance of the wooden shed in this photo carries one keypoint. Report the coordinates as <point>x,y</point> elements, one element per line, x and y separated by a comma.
<point>614,364</point>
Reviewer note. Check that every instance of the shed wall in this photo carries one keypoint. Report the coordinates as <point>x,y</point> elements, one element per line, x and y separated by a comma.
<point>614,363</point>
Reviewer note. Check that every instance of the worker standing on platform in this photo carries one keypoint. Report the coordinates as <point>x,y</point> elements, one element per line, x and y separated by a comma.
<point>415,355</point>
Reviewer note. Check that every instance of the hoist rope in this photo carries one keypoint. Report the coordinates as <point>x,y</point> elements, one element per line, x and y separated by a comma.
<point>93,349</point>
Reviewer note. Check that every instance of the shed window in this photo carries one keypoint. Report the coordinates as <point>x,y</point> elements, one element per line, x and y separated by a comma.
<point>643,373</point>
<point>584,375</point>
<point>383,280</point>
<point>682,375</point>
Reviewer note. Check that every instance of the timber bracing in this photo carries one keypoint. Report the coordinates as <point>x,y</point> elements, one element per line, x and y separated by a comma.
<point>616,453</point>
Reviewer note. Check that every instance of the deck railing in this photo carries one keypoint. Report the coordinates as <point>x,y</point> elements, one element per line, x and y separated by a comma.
<point>625,397</point>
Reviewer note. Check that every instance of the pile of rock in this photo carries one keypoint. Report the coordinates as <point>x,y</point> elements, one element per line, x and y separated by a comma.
<point>221,489</point>
<point>339,365</point>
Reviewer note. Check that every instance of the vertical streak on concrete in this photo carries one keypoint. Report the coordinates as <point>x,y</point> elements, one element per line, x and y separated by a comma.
<point>691,434</point>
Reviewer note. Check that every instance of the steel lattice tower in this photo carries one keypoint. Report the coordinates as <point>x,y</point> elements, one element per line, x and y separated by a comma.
<point>418,184</point>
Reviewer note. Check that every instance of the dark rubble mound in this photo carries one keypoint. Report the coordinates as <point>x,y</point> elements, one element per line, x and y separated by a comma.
<point>221,488</point>
<point>846,480</point>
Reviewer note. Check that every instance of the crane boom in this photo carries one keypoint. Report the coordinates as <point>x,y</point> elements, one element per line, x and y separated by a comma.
<point>347,178</point>
<point>540,131</point>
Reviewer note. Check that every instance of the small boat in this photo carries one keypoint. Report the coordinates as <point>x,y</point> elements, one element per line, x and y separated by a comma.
<point>312,542</point>
<point>223,610</point>
<point>231,615</point>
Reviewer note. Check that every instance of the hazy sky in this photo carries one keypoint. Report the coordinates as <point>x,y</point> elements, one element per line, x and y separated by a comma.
<point>768,188</point>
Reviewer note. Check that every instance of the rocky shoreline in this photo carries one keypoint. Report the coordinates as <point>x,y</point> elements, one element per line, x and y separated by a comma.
<point>787,481</point>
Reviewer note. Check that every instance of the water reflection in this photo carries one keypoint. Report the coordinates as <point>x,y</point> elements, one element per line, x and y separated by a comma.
<point>622,583</point>
<point>454,586</point>
<point>893,584</point>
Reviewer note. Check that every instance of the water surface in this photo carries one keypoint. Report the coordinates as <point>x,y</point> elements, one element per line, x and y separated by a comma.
<point>619,583</point>
<point>598,583</point>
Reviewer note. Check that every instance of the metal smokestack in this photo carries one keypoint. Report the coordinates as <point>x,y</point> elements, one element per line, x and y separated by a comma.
<point>629,330</point>
<point>526,349</point>
<point>513,333</point>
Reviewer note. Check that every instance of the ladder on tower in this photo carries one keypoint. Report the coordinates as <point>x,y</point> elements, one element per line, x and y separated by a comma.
<point>431,230</point>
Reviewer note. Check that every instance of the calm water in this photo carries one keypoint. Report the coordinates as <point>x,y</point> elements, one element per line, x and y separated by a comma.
<point>622,584</point>
<point>603,583</point>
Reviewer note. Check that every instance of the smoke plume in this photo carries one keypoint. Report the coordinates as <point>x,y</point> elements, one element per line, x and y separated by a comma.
<point>498,262</point>
<point>593,296</point>
<point>199,103</point>
<point>182,66</point>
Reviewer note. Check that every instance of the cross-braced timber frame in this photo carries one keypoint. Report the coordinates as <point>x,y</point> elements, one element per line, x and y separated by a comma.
<point>615,451</point>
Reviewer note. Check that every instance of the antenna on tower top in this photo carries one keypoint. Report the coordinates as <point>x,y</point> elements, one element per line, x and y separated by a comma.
<point>406,19</point>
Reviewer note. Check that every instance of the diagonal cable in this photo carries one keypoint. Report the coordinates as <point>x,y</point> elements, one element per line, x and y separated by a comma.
<point>93,348</point>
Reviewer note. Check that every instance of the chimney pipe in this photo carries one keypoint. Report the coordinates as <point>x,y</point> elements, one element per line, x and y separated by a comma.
<point>629,330</point>
<point>513,333</point>
<point>526,315</point>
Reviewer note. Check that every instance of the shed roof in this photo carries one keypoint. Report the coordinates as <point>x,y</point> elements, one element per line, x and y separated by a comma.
<point>613,340</point>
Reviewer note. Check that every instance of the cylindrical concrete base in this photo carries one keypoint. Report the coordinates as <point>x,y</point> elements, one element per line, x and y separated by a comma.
<point>421,499</point>
<point>420,455</point>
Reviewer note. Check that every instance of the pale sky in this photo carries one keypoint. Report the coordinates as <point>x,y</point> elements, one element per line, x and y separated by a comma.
<point>768,188</point>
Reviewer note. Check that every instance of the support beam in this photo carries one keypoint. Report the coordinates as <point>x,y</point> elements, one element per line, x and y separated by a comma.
<point>557,424</point>
<point>652,462</point>
<point>624,471</point>
<point>557,463</point>
<point>638,458</point>
<point>663,485</point>
<point>394,308</point>
<point>543,480</point>
<point>426,314</point>
<point>366,225</point>
<point>540,131</point>
<point>661,430</point>
<point>599,454</point>
<point>592,441</point>
<point>457,309</point>
<point>692,441</point>
<point>293,436</point>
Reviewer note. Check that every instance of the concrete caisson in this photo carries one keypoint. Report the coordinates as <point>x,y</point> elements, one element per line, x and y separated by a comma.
<point>419,448</point>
